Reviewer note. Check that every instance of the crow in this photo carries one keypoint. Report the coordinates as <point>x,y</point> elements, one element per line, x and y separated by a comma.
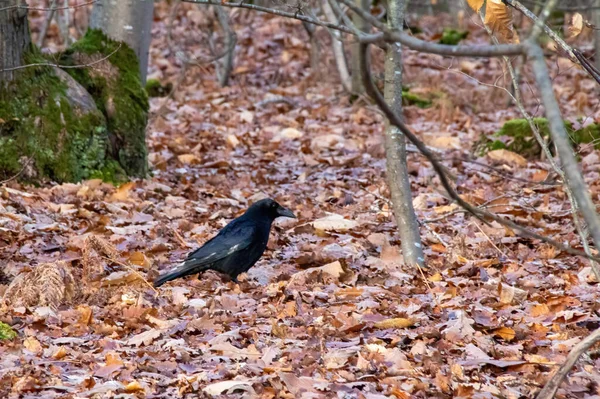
<point>236,248</point>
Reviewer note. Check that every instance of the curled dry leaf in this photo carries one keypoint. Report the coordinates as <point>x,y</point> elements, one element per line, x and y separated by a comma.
<point>576,25</point>
<point>499,18</point>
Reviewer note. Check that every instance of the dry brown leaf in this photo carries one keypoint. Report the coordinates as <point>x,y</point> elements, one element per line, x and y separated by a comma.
<point>133,386</point>
<point>122,193</point>
<point>398,322</point>
<point>334,222</point>
<point>475,4</point>
<point>33,345</point>
<point>507,157</point>
<point>498,17</point>
<point>188,159</point>
<point>506,333</point>
<point>232,140</point>
<point>576,25</point>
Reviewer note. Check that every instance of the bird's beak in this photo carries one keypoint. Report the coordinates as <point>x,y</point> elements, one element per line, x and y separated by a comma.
<point>282,211</point>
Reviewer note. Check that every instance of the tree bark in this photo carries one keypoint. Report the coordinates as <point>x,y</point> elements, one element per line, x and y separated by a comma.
<point>596,15</point>
<point>395,147</point>
<point>363,26</point>
<point>338,49</point>
<point>128,21</point>
<point>14,38</point>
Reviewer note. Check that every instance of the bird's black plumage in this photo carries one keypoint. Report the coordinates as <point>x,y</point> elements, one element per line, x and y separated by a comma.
<point>236,248</point>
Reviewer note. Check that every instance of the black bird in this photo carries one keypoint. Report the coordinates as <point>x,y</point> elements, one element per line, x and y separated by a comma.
<point>236,248</point>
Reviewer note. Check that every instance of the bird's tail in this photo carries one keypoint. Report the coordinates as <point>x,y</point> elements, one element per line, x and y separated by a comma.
<point>183,269</point>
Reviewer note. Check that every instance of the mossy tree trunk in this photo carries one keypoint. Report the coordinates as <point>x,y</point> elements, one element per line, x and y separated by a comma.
<point>14,39</point>
<point>128,21</point>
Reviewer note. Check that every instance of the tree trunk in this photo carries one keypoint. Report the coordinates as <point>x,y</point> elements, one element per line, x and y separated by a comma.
<point>596,16</point>
<point>362,25</point>
<point>338,48</point>
<point>14,38</point>
<point>395,144</point>
<point>127,21</point>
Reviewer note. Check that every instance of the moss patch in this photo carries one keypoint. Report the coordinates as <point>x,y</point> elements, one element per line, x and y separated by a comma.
<point>155,89</point>
<point>115,85</point>
<point>516,135</point>
<point>453,36</point>
<point>43,130</point>
<point>409,98</point>
<point>6,332</point>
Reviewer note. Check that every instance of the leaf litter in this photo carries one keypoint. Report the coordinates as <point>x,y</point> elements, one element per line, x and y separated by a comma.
<point>330,310</point>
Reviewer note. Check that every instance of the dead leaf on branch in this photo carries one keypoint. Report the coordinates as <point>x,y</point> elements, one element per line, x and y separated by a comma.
<point>499,18</point>
<point>475,4</point>
<point>576,25</point>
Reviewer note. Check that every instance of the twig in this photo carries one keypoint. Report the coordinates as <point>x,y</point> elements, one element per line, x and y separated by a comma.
<point>46,25</point>
<point>49,64</point>
<point>18,173</point>
<point>52,8</point>
<point>131,269</point>
<point>549,390</point>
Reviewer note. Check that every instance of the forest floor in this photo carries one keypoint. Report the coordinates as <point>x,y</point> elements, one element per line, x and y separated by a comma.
<point>330,310</point>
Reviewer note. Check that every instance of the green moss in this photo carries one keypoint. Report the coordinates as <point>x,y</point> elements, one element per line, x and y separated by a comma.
<point>112,172</point>
<point>516,135</point>
<point>41,128</point>
<point>6,332</point>
<point>115,85</point>
<point>453,36</point>
<point>409,98</point>
<point>155,89</point>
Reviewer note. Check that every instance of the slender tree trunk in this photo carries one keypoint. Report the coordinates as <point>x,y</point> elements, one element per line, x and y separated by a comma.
<point>596,16</point>
<point>338,48</point>
<point>224,73</point>
<point>129,21</point>
<point>362,25</point>
<point>14,38</point>
<point>395,145</point>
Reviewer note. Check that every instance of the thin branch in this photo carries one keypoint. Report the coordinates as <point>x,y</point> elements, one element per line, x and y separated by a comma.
<point>439,169</point>
<point>391,36</point>
<point>549,390</point>
<point>49,64</point>
<point>51,8</point>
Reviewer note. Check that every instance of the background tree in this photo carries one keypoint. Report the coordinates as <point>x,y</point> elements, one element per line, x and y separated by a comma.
<point>89,122</point>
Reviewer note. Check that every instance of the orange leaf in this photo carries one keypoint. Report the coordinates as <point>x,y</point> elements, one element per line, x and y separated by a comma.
<point>498,17</point>
<point>506,333</point>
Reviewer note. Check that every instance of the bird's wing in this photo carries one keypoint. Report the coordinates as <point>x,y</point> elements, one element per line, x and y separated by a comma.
<point>236,236</point>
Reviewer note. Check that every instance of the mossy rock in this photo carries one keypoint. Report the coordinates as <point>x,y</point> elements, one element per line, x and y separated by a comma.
<point>453,36</point>
<point>115,85</point>
<point>516,135</point>
<point>6,332</point>
<point>50,127</point>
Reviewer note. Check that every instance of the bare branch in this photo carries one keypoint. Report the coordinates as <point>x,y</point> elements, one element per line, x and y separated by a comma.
<point>439,169</point>
<point>549,390</point>
<point>51,8</point>
<point>42,64</point>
